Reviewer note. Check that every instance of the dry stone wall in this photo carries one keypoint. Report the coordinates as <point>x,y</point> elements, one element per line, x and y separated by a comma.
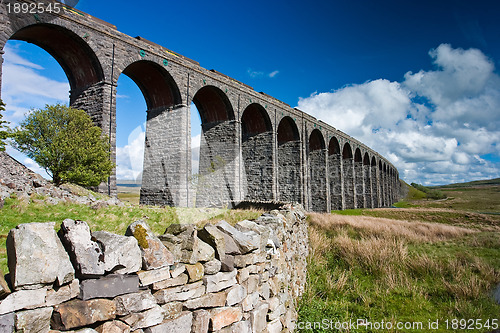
<point>220,278</point>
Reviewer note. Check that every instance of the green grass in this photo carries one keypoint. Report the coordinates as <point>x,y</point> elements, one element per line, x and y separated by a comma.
<point>111,218</point>
<point>353,274</point>
<point>358,272</point>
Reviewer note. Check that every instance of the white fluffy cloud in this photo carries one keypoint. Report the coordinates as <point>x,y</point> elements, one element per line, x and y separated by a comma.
<point>25,87</point>
<point>434,126</point>
<point>130,158</point>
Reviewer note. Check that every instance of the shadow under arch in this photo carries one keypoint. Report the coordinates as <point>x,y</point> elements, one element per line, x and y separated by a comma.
<point>358,179</point>
<point>165,148</point>
<point>317,171</point>
<point>367,181</point>
<point>74,55</point>
<point>335,173</point>
<point>289,161</point>
<point>216,184</point>
<point>375,183</point>
<point>156,84</point>
<point>348,175</point>
<point>257,153</point>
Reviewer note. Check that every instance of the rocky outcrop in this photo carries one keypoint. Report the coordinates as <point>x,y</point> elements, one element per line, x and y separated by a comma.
<point>222,278</point>
<point>18,180</point>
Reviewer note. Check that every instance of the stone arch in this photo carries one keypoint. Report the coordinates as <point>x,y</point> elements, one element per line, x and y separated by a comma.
<point>76,57</point>
<point>381,184</point>
<point>391,185</point>
<point>335,173</point>
<point>358,179</point>
<point>289,161</point>
<point>367,189</point>
<point>384,184</point>
<point>157,85</point>
<point>348,176</point>
<point>374,182</point>
<point>218,168</point>
<point>213,104</point>
<point>165,155</point>
<point>81,66</point>
<point>317,172</point>
<point>257,153</point>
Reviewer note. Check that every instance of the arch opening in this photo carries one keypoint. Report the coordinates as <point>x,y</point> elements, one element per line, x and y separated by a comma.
<point>359,190</point>
<point>130,133</point>
<point>257,153</point>
<point>317,172</point>
<point>348,175</point>
<point>289,175</point>
<point>335,173</point>
<point>287,131</point>
<point>216,184</point>
<point>31,79</point>
<point>316,141</point>
<point>367,181</point>
<point>157,85</point>
<point>166,157</point>
<point>74,55</point>
<point>213,105</point>
<point>374,181</point>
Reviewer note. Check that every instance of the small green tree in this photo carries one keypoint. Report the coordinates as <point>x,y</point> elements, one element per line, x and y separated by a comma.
<point>66,143</point>
<point>3,133</point>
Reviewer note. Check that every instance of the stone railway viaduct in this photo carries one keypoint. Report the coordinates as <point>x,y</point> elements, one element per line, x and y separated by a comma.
<point>254,147</point>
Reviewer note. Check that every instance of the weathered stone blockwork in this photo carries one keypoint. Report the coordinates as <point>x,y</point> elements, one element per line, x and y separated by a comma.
<point>242,152</point>
<point>223,278</point>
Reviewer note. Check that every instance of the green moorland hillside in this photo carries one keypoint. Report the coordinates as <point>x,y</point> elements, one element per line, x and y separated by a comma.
<point>429,267</point>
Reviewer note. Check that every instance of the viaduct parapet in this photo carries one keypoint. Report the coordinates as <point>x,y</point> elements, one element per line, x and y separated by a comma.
<point>253,147</point>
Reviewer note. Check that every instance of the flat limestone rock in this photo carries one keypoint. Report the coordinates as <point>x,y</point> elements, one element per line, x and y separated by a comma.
<point>173,282</point>
<point>201,321</point>
<point>235,295</point>
<point>154,275</point>
<point>78,313</point>
<point>144,319</point>
<point>135,302</point>
<point>63,294</point>
<point>219,281</point>
<point>222,317</point>
<point>109,286</point>
<point>114,326</point>
<point>258,317</point>
<point>154,254</point>
<point>263,231</point>
<point>122,254</point>
<point>246,241</point>
<point>211,235</point>
<point>181,324</point>
<point>23,299</point>
<point>181,293</point>
<point>85,252</point>
<point>37,256</point>
<point>37,320</point>
<point>7,322</point>
<point>210,300</point>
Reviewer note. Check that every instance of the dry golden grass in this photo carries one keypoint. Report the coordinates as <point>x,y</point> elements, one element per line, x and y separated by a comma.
<point>380,246</point>
<point>388,228</point>
<point>372,253</point>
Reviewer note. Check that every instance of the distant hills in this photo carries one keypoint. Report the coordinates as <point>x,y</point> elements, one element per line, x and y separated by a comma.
<point>488,182</point>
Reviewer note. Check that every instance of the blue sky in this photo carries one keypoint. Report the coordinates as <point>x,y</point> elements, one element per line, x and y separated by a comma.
<point>415,80</point>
